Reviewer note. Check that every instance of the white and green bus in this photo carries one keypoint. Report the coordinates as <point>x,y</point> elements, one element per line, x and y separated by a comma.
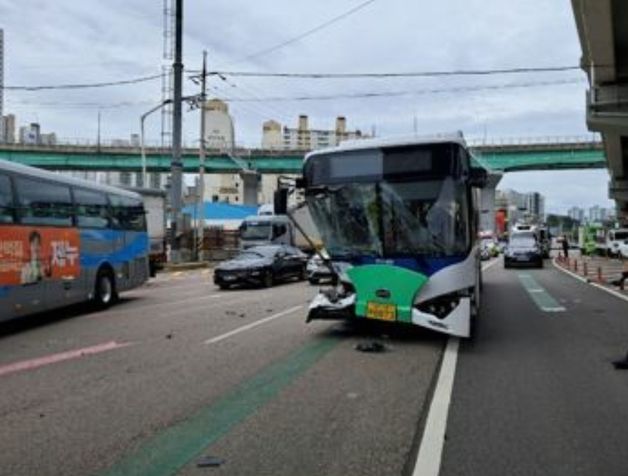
<point>398,219</point>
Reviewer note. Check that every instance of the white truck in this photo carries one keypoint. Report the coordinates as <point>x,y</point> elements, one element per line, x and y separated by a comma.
<point>266,228</point>
<point>155,206</point>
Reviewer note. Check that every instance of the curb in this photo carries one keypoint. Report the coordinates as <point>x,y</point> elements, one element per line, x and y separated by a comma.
<point>174,267</point>
<point>617,294</point>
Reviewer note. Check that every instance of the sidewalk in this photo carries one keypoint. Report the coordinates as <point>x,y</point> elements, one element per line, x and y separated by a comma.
<point>596,269</point>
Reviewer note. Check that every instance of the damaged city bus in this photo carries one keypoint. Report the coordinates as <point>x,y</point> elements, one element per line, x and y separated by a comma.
<point>398,220</point>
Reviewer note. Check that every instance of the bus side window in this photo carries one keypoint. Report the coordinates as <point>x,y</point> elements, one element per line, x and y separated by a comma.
<point>44,203</point>
<point>91,209</point>
<point>127,213</point>
<point>6,200</point>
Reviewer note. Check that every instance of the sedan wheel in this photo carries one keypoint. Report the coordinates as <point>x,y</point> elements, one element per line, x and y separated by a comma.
<point>269,279</point>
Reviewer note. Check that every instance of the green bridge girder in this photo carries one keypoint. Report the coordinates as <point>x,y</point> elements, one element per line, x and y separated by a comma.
<point>497,159</point>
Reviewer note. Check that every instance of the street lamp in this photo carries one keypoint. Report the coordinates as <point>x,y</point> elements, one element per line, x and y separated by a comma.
<point>143,152</point>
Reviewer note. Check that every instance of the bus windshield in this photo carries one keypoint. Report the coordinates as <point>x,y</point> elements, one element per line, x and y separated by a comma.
<point>387,219</point>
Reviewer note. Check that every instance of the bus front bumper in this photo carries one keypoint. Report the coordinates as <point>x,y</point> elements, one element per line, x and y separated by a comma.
<point>456,323</point>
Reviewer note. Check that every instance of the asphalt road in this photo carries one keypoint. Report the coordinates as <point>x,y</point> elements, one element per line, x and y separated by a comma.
<point>180,370</point>
<point>536,393</point>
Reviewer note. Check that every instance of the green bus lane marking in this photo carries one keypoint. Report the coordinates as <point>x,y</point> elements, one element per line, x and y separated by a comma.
<point>169,451</point>
<point>539,295</point>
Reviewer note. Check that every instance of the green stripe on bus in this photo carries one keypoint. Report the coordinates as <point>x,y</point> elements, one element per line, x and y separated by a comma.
<point>539,295</point>
<point>167,452</point>
<point>386,284</point>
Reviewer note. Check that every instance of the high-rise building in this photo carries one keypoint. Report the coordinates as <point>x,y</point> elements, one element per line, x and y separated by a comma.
<point>219,130</point>
<point>31,134</point>
<point>1,73</point>
<point>7,129</point>
<point>576,213</point>
<point>274,137</point>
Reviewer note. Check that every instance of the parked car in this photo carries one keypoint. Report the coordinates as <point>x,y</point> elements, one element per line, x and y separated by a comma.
<point>317,270</point>
<point>523,249</point>
<point>262,266</point>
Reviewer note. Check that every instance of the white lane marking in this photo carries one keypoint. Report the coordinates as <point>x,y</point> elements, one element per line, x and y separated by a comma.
<point>431,450</point>
<point>226,335</point>
<point>596,285</point>
<point>554,309</point>
<point>610,291</point>
<point>536,290</point>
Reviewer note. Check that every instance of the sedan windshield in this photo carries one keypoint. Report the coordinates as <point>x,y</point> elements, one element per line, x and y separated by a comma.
<point>247,255</point>
<point>383,219</point>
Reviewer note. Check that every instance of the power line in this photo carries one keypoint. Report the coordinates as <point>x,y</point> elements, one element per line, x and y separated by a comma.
<point>378,94</point>
<point>122,82</point>
<point>416,74</point>
<point>305,34</point>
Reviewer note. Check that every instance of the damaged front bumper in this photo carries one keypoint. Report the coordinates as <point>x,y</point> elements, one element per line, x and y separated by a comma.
<point>328,305</point>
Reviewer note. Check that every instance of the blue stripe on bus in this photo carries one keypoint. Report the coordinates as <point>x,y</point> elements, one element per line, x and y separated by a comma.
<point>427,266</point>
<point>138,247</point>
<point>4,290</point>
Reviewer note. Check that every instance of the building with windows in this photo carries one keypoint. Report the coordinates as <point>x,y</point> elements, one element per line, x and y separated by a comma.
<point>219,130</point>
<point>576,213</point>
<point>276,137</point>
<point>7,129</point>
<point>30,135</point>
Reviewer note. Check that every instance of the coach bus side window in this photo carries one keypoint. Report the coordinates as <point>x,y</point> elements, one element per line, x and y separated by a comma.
<point>44,203</point>
<point>92,209</point>
<point>6,200</point>
<point>128,213</point>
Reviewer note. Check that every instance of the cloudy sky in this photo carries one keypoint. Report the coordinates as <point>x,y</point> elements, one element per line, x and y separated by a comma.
<point>69,41</point>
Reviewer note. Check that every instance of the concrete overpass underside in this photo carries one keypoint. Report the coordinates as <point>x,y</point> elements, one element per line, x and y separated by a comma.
<point>603,32</point>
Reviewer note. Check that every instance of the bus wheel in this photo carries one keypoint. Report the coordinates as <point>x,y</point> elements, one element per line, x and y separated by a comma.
<point>105,290</point>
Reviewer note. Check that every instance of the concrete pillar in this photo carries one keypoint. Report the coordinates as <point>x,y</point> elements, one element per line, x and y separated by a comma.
<point>487,203</point>
<point>250,183</point>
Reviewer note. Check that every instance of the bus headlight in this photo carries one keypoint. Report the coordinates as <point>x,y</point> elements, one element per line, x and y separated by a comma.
<point>441,306</point>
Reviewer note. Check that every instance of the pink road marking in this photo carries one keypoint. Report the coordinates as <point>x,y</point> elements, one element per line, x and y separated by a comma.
<point>60,357</point>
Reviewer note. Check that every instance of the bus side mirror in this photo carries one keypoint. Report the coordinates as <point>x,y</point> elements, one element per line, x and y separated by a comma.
<point>478,177</point>
<point>280,200</point>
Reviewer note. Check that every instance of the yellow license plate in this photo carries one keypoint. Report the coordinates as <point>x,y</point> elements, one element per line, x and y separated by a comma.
<point>383,312</point>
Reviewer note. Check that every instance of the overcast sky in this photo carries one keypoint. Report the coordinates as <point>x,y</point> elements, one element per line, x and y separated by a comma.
<point>69,41</point>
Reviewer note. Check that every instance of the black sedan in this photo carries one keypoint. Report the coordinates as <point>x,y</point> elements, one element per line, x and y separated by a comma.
<point>262,266</point>
<point>523,249</point>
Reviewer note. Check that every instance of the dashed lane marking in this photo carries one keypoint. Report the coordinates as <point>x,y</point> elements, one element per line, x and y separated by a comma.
<point>539,295</point>
<point>247,327</point>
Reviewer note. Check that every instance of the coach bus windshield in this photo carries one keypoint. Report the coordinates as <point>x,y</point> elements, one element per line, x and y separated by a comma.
<point>424,211</point>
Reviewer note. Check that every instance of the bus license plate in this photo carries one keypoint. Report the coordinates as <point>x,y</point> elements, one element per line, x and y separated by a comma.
<point>383,312</point>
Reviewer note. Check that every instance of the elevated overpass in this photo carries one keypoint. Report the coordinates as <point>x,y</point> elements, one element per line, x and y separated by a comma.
<point>603,31</point>
<point>549,154</point>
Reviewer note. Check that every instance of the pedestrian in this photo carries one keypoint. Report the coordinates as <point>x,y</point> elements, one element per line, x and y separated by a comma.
<point>624,276</point>
<point>565,247</point>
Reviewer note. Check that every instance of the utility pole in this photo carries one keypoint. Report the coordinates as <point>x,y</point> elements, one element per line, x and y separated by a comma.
<point>98,133</point>
<point>176,166</point>
<point>200,218</point>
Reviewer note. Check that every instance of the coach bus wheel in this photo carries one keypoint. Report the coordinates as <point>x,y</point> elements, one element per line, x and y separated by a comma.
<point>105,291</point>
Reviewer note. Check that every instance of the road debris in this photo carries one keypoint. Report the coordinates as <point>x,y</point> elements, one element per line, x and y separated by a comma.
<point>209,462</point>
<point>372,346</point>
<point>621,364</point>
